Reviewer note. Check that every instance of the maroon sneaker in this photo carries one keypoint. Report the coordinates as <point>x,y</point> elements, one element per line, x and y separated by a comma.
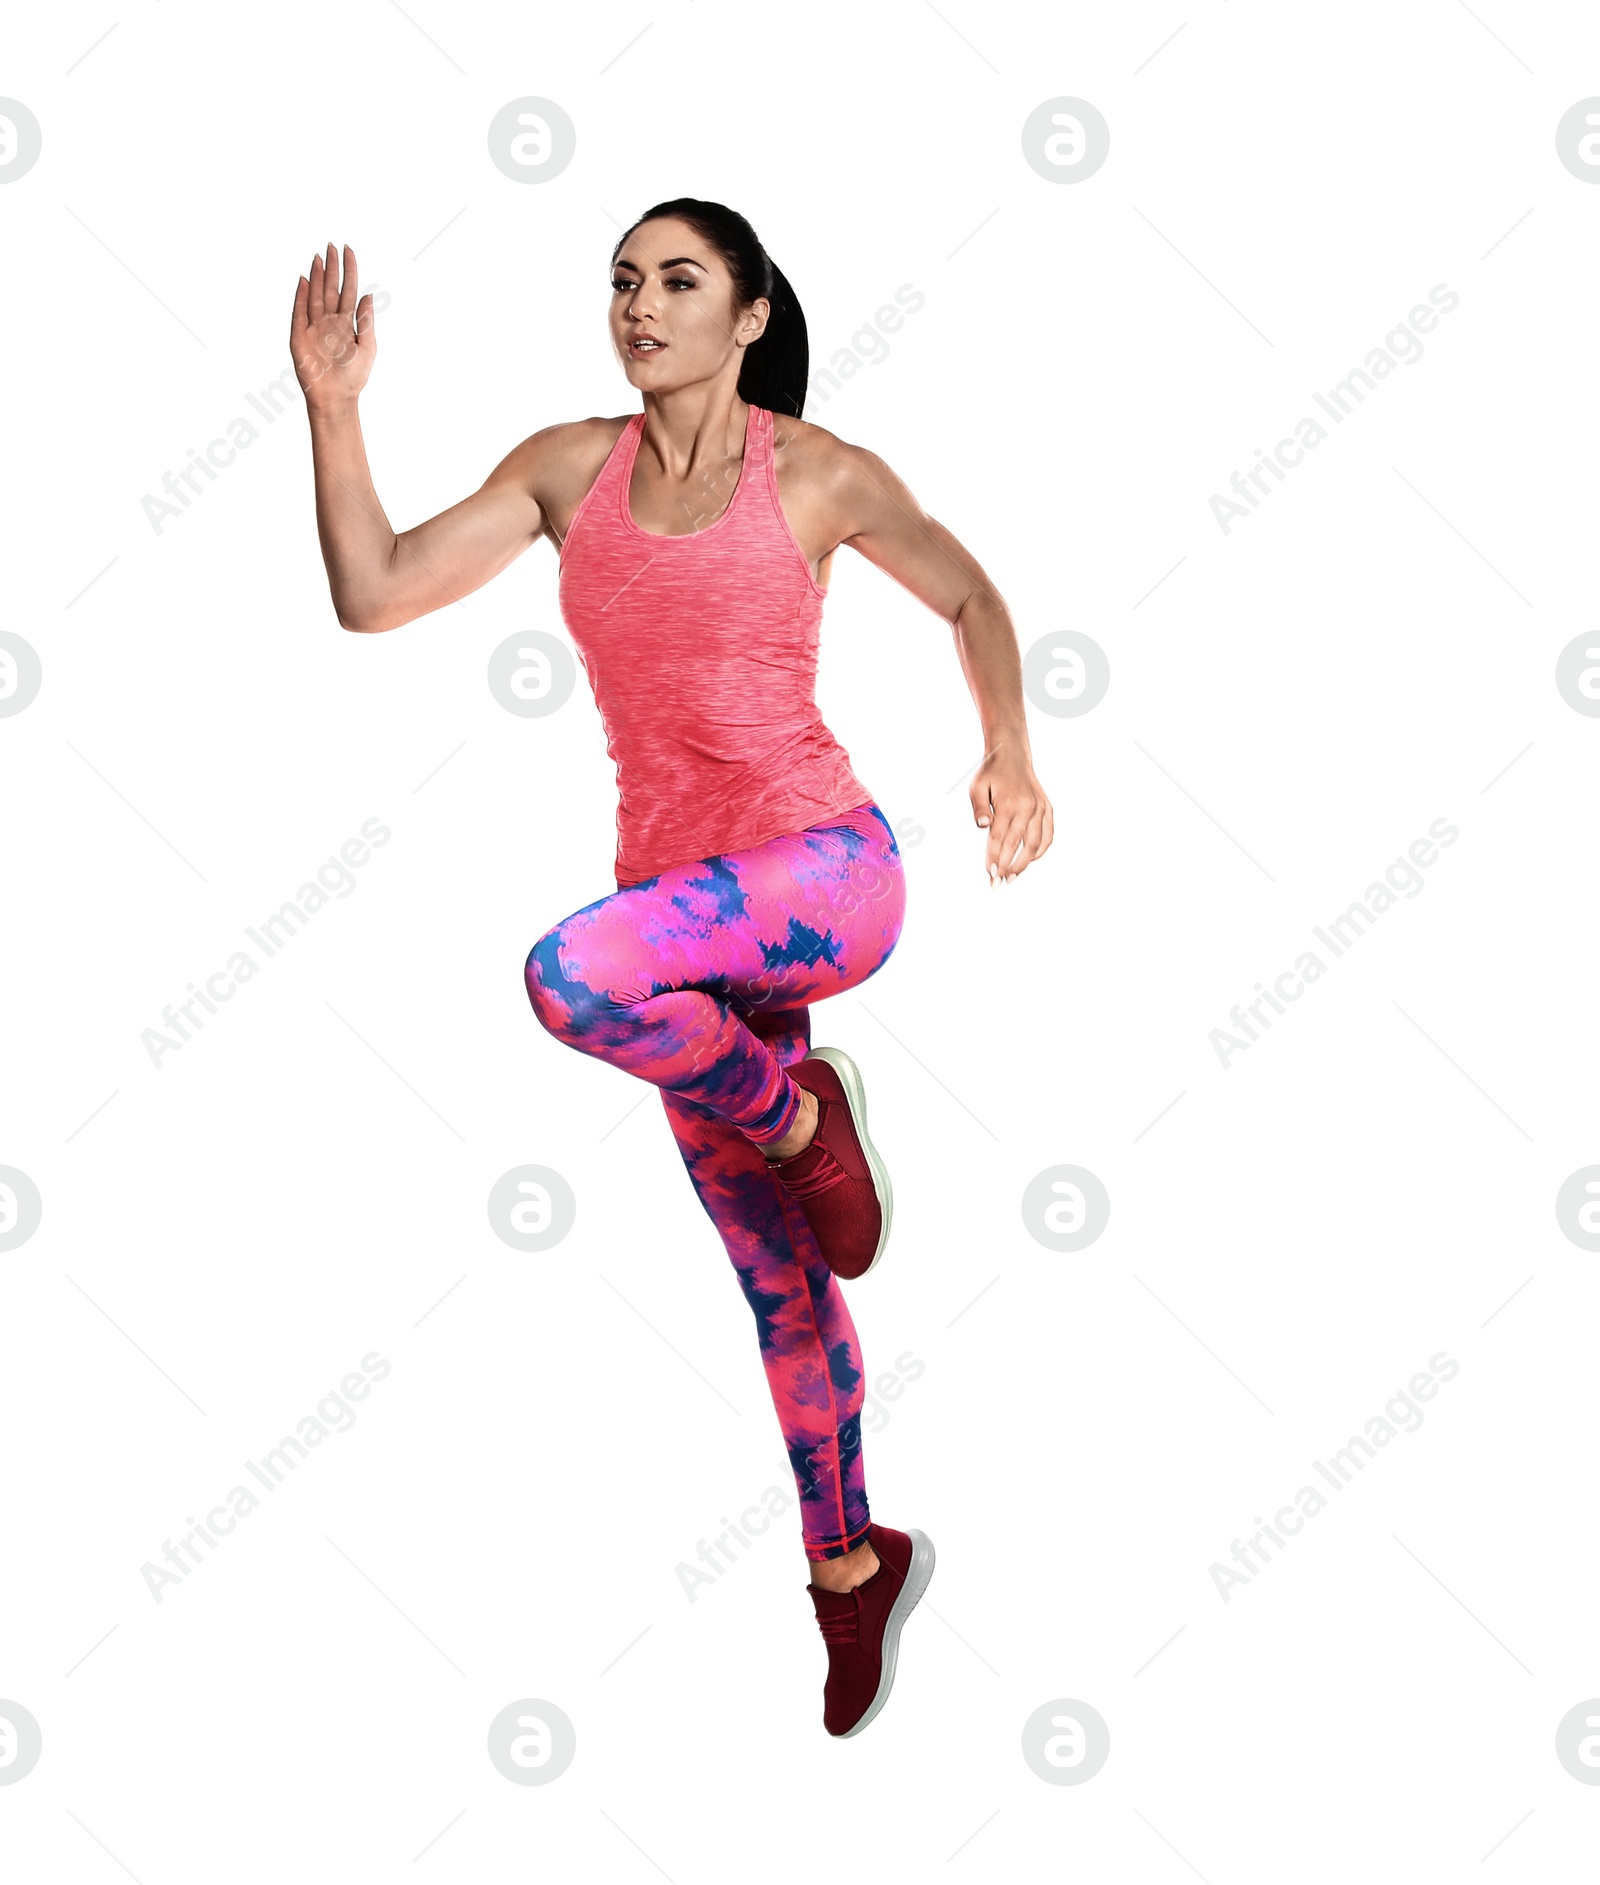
<point>839,1181</point>
<point>862,1628</point>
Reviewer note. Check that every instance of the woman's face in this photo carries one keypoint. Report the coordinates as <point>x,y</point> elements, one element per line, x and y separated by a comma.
<point>670,287</point>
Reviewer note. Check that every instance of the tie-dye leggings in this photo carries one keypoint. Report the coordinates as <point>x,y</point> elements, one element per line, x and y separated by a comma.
<point>698,981</point>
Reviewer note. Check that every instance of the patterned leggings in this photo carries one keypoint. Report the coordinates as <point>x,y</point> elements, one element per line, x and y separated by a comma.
<point>698,981</point>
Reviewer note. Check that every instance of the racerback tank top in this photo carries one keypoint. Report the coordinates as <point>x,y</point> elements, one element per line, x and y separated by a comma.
<point>702,654</point>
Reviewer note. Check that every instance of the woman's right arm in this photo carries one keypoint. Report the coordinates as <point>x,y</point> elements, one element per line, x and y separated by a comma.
<point>379,578</point>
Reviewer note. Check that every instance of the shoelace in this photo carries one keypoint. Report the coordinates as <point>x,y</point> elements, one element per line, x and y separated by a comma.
<point>827,1173</point>
<point>842,1628</point>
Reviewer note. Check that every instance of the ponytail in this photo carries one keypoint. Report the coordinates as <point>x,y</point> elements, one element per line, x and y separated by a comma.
<point>776,367</point>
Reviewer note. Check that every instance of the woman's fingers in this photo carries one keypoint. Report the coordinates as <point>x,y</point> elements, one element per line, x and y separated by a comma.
<point>1003,837</point>
<point>321,295</point>
<point>982,808</point>
<point>350,288</point>
<point>1022,850</point>
<point>1028,829</point>
<point>990,813</point>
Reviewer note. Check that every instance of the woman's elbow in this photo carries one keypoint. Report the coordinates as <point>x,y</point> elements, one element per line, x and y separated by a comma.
<point>365,618</point>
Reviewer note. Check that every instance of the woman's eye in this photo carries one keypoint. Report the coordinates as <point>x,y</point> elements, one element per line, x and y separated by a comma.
<point>621,282</point>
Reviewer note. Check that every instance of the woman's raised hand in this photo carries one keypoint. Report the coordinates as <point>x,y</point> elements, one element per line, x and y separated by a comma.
<point>332,338</point>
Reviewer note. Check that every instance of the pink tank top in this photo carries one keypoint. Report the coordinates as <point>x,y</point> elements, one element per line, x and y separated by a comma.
<point>702,653</point>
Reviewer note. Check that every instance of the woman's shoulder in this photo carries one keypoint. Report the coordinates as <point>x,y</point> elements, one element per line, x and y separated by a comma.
<point>812,440</point>
<point>577,440</point>
<point>808,456</point>
<point>558,464</point>
<point>564,459</point>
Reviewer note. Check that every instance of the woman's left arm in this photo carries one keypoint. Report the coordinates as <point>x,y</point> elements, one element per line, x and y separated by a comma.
<point>874,512</point>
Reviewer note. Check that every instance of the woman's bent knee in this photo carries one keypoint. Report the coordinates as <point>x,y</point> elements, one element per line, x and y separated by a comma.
<point>566,1005</point>
<point>555,1000</point>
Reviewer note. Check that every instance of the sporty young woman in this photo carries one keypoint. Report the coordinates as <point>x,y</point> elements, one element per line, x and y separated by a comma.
<point>755,873</point>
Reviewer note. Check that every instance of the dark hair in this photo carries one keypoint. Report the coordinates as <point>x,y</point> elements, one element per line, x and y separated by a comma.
<point>775,367</point>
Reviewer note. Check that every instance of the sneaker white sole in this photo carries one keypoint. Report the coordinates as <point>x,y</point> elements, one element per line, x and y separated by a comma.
<point>918,1573</point>
<point>850,1079</point>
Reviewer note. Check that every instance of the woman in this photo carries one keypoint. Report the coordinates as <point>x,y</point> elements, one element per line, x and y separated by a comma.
<point>755,873</point>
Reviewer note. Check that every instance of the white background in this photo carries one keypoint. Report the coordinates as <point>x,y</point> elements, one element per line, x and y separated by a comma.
<point>1291,705</point>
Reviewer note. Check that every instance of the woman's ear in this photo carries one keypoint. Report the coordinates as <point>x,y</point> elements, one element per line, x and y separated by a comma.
<point>754,323</point>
